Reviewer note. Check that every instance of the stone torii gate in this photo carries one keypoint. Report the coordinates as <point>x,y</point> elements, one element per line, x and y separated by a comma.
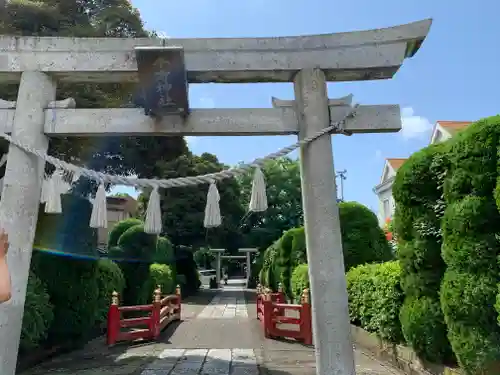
<point>219,256</point>
<point>307,61</point>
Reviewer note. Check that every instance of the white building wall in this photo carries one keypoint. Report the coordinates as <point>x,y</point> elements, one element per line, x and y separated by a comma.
<point>385,211</point>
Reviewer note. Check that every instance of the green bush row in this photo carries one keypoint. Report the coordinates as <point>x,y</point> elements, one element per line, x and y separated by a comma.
<point>78,292</point>
<point>375,296</point>
<point>362,239</point>
<point>375,299</point>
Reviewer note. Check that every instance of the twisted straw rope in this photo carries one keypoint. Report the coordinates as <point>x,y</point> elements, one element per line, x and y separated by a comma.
<point>100,177</point>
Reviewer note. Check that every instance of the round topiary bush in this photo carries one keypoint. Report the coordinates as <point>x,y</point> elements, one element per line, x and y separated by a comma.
<point>120,228</point>
<point>159,275</point>
<point>363,241</point>
<point>137,248</point>
<point>38,314</point>
<point>109,279</point>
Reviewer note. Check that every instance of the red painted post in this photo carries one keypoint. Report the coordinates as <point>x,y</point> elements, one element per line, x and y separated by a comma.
<point>306,319</point>
<point>267,312</point>
<point>179,299</point>
<point>113,320</point>
<point>154,323</point>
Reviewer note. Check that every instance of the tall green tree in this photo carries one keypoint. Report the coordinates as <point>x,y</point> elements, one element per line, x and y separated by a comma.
<point>183,208</point>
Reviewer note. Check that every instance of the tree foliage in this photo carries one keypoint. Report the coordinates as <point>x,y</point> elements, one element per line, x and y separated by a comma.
<point>183,208</point>
<point>76,18</point>
<point>284,203</point>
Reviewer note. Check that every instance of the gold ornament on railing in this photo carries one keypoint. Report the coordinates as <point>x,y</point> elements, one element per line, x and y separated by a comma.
<point>305,296</point>
<point>157,294</point>
<point>280,288</point>
<point>178,290</point>
<point>259,289</point>
<point>114,298</point>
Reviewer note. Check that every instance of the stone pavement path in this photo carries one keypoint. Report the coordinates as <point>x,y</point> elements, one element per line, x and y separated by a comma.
<point>219,335</point>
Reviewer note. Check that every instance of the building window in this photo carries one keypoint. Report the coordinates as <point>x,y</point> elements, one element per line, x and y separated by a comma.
<point>387,209</point>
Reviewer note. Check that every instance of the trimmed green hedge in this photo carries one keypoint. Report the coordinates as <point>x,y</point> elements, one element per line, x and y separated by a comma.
<point>418,193</point>
<point>362,238</point>
<point>290,252</point>
<point>375,299</point>
<point>164,253</point>
<point>470,248</point>
<point>186,267</point>
<point>109,279</point>
<point>72,285</point>
<point>268,274</point>
<point>38,314</point>
<point>497,305</point>
<point>300,280</point>
<point>424,328</point>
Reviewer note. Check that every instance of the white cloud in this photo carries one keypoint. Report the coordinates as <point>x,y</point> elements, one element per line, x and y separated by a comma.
<point>414,126</point>
<point>378,154</point>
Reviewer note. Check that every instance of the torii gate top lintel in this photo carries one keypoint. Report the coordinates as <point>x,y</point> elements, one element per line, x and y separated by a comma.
<point>350,56</point>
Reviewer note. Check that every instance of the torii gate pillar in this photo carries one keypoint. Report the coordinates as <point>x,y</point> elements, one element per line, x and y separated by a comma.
<point>20,203</point>
<point>331,328</point>
<point>218,253</point>
<point>248,252</point>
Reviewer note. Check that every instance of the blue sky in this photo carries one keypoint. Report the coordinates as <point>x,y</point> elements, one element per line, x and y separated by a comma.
<point>454,76</point>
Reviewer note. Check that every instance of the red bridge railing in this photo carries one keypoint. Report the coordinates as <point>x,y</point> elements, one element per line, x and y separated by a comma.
<point>158,315</point>
<point>273,313</point>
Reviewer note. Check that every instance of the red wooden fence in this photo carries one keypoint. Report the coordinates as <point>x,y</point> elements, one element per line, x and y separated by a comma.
<point>272,309</point>
<point>158,315</point>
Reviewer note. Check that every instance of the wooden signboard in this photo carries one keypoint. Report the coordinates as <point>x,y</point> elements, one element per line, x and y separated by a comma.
<point>162,81</point>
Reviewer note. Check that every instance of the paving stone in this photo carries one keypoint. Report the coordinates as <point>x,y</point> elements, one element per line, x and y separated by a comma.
<point>244,370</point>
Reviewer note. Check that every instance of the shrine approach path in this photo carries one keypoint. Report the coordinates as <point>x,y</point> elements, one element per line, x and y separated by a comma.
<point>219,335</point>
